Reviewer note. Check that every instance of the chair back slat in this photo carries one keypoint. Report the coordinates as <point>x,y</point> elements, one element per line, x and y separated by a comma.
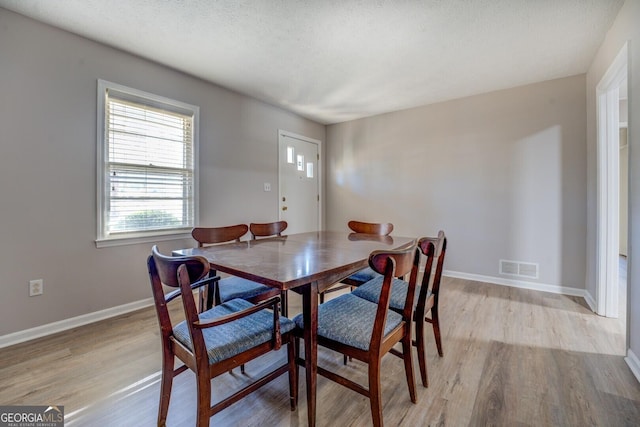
<point>438,253</point>
<point>441,253</point>
<point>403,263</point>
<point>427,247</point>
<point>267,229</point>
<point>212,235</point>
<point>381,229</point>
<point>167,267</point>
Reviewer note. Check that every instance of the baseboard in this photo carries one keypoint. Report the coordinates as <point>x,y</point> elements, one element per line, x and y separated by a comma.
<point>564,290</point>
<point>634,363</point>
<point>66,324</point>
<point>591,302</point>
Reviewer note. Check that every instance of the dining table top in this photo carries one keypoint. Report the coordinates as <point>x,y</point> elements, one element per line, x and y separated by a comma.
<point>290,261</point>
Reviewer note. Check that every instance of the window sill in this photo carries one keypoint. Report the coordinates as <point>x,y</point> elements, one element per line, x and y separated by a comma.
<point>122,241</point>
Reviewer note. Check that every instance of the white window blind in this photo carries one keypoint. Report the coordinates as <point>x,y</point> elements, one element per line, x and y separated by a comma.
<point>148,166</point>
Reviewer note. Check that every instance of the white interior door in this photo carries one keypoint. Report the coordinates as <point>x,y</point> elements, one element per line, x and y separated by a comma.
<point>299,189</point>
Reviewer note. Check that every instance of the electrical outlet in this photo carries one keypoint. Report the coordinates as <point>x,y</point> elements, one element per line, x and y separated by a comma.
<point>267,186</point>
<point>36,287</point>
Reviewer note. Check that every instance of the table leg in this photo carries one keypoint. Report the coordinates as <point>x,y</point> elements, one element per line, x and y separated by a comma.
<point>310,316</point>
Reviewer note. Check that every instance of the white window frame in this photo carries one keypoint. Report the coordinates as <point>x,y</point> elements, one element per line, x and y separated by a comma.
<point>103,238</point>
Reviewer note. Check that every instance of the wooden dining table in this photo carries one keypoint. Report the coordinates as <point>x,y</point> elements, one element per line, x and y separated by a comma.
<point>306,263</point>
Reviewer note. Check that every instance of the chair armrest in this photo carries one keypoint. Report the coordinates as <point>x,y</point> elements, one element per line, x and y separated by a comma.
<point>174,294</point>
<point>271,302</point>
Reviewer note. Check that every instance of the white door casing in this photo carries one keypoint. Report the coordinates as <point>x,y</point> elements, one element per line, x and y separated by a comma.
<point>608,152</point>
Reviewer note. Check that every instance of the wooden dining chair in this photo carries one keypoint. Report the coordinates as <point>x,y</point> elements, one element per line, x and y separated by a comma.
<point>366,274</point>
<point>269,229</point>
<point>433,248</point>
<point>367,331</point>
<point>214,341</point>
<point>232,287</point>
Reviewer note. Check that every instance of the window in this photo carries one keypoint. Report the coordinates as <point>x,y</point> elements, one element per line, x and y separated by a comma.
<point>147,180</point>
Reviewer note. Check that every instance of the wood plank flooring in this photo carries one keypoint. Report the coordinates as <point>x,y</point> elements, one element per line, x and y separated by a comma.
<point>512,357</point>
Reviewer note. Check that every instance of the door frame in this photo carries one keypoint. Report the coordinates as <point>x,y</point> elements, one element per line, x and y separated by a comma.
<point>608,185</point>
<point>282,134</point>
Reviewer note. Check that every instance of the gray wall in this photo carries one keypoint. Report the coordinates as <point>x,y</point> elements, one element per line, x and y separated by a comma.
<point>625,28</point>
<point>48,173</point>
<point>504,174</point>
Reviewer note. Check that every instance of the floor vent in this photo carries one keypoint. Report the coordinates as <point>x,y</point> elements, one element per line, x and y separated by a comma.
<point>519,268</point>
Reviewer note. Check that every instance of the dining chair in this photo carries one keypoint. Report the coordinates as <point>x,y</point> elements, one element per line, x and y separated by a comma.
<point>366,274</point>
<point>216,340</point>
<point>232,287</point>
<point>366,331</point>
<point>269,229</point>
<point>433,248</point>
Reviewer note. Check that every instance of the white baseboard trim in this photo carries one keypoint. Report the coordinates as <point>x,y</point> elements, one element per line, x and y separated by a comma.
<point>66,324</point>
<point>634,363</point>
<point>564,290</point>
<point>591,302</point>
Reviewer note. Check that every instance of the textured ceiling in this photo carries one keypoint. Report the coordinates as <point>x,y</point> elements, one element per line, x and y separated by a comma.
<point>337,60</point>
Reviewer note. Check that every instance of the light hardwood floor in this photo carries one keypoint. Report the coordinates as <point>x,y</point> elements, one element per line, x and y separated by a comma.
<point>513,357</point>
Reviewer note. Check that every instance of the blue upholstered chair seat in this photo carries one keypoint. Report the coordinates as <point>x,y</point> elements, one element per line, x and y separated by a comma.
<point>349,320</point>
<point>230,339</point>
<point>371,292</point>
<point>237,287</point>
<point>364,275</point>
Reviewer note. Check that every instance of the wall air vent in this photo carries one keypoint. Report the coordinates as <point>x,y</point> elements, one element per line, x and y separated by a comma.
<point>528,270</point>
